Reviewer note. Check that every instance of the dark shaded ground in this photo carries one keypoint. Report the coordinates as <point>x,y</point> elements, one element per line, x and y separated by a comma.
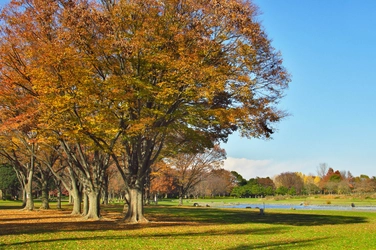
<point>18,221</point>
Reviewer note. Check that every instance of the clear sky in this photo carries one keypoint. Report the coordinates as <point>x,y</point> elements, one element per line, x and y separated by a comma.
<point>328,46</point>
<point>329,49</point>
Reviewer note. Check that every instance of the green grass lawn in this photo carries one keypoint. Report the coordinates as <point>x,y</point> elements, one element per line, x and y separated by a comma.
<point>308,200</point>
<point>188,227</point>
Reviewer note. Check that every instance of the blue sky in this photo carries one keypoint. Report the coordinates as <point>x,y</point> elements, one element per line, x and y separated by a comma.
<point>328,46</point>
<point>329,49</point>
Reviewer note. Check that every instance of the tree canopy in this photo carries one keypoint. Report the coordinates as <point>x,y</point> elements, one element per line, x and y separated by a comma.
<point>131,79</point>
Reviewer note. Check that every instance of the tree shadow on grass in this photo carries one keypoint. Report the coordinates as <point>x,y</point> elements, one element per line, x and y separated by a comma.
<point>235,216</point>
<point>55,221</point>
<point>2,220</point>
<point>10,207</point>
<point>295,244</point>
<point>177,236</point>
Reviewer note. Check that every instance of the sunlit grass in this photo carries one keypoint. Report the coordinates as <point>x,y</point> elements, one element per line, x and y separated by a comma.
<point>188,227</point>
<point>308,200</point>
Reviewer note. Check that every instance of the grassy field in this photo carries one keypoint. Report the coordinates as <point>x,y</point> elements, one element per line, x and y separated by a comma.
<point>334,200</point>
<point>187,227</point>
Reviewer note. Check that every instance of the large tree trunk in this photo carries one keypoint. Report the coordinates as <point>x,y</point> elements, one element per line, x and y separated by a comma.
<point>77,199</point>
<point>70,198</point>
<point>94,206</point>
<point>45,202</point>
<point>85,209</point>
<point>75,194</point>
<point>29,198</point>
<point>135,213</point>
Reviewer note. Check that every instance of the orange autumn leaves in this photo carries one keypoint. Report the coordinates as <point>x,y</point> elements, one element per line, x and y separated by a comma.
<point>93,66</point>
<point>138,79</point>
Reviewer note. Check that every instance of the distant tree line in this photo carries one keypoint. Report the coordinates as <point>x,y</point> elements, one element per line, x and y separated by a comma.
<point>202,175</point>
<point>327,181</point>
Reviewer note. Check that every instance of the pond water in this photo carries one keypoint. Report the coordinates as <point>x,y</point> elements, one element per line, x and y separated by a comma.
<point>302,207</point>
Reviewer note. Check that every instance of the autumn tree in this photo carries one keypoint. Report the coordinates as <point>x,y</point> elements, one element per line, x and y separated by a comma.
<point>44,178</point>
<point>89,165</point>
<point>65,176</point>
<point>291,181</point>
<point>19,149</point>
<point>163,180</point>
<point>116,187</point>
<point>220,182</point>
<point>191,169</point>
<point>364,184</point>
<point>110,175</point>
<point>331,180</point>
<point>311,184</point>
<point>130,77</point>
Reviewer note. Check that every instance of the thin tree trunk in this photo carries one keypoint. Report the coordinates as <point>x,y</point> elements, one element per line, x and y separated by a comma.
<point>156,199</point>
<point>105,190</point>
<point>29,185</point>
<point>29,192</point>
<point>24,197</point>
<point>181,193</point>
<point>58,205</point>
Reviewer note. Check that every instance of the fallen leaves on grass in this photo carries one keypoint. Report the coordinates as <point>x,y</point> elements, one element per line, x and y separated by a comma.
<point>21,221</point>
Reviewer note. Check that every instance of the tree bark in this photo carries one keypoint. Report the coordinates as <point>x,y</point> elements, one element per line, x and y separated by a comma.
<point>29,198</point>
<point>94,206</point>
<point>24,196</point>
<point>75,194</point>
<point>77,198</point>
<point>70,198</point>
<point>29,188</point>
<point>135,208</point>
<point>58,204</point>
<point>45,202</point>
<point>156,199</point>
<point>181,193</point>
<point>85,207</point>
<point>105,194</point>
